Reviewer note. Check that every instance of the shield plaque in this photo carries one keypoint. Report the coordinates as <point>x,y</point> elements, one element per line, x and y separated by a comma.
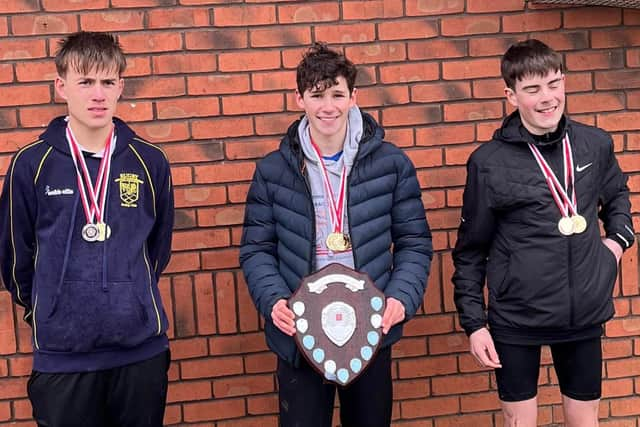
<point>338,316</point>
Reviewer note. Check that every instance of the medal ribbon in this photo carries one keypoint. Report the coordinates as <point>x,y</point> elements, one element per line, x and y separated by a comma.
<point>565,204</point>
<point>98,195</point>
<point>336,210</point>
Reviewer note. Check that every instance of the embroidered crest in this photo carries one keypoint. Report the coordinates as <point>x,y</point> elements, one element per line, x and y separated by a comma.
<point>129,189</point>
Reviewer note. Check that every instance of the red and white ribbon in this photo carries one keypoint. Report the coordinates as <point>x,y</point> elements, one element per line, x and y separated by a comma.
<point>93,198</point>
<point>336,209</point>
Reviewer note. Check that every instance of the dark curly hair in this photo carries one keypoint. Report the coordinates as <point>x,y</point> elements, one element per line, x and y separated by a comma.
<point>320,68</point>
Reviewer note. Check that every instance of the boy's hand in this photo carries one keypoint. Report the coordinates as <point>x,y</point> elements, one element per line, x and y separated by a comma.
<point>613,247</point>
<point>483,349</point>
<point>393,313</point>
<point>282,317</point>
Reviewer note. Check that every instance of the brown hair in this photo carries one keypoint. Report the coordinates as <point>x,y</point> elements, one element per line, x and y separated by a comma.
<point>528,58</point>
<point>320,67</point>
<point>83,51</point>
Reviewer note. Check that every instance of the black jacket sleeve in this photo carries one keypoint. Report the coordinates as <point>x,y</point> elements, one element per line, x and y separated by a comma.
<point>258,250</point>
<point>615,207</point>
<point>17,233</point>
<point>475,236</point>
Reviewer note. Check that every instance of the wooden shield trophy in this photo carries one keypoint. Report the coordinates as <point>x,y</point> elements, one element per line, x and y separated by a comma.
<point>338,317</point>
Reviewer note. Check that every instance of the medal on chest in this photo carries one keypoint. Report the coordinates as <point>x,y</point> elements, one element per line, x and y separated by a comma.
<point>93,197</point>
<point>571,222</point>
<point>337,240</point>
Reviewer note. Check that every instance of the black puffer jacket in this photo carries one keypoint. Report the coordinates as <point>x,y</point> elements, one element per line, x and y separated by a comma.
<point>536,277</point>
<point>385,210</point>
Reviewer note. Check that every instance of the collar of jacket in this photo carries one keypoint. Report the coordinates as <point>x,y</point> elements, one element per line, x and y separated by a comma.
<point>372,137</point>
<point>513,131</point>
<point>55,135</point>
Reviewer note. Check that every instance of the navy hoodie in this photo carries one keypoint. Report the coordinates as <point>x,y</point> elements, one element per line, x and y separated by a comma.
<point>92,305</point>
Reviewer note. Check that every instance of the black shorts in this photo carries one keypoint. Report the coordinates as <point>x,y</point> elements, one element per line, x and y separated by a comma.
<point>578,365</point>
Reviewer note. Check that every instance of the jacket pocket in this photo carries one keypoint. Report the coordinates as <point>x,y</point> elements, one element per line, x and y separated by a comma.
<point>86,316</point>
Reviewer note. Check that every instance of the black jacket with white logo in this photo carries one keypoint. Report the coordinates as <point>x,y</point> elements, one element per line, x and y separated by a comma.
<point>538,279</point>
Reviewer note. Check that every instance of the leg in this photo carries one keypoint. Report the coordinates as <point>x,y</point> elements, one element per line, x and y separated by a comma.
<point>367,401</point>
<point>518,383</point>
<point>68,400</point>
<point>578,365</point>
<point>138,393</point>
<point>305,399</point>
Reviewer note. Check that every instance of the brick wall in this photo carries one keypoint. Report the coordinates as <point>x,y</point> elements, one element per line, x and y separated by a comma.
<point>211,82</point>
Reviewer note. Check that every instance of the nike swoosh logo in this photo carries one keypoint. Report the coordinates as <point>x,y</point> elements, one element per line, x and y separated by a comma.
<point>581,168</point>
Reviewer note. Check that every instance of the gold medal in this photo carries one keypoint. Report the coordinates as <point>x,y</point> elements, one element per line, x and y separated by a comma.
<point>566,226</point>
<point>104,231</point>
<point>338,242</point>
<point>579,223</point>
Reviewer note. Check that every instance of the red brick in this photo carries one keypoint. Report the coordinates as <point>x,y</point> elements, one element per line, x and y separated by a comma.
<point>137,66</point>
<point>441,177</point>
<point>184,63</point>
<point>217,84</point>
<point>19,6</point>
<point>460,384</point>
<point>434,92</point>
<point>188,107</point>
<point>629,268</point>
<point>625,407</point>
<point>8,119</point>
<point>244,15</point>
<point>619,121</point>
<point>216,39</point>
<point>473,111</point>
<point>243,386</point>
<point>22,49</point>
<point>222,128</point>
<point>154,87</point>
<point>585,103</point>
<point>442,135</point>
<point>24,95</point>
<point>221,259</point>
<point>225,302</point>
<point>183,262</point>
<point>408,29</point>
<point>490,46</point>
<point>163,131</point>
<point>482,6</point>
<point>571,40</point>
<point>275,37</point>
<point>6,73</point>
<point>424,158</point>
<point>434,49</point>
<point>422,7</point>
<point>150,42</point>
<point>248,61</point>
<point>198,152</point>
<point>189,391</point>
<point>410,389</point>
<point>214,410</point>
<point>43,24</point>
<point>178,18</point>
<point>274,124</point>
<point>305,12</point>
<point>467,420</point>
<point>67,5</point>
<point>371,9</point>
<point>429,407</point>
<point>473,68</point>
<point>532,21</point>
<point>200,239</point>
<point>346,33</point>
<point>379,52</point>
<point>420,114</point>
<point>608,38</point>
<point>594,60</point>
<point>251,104</point>
<point>112,20</point>
<point>592,17</point>
<point>382,96</point>
<point>461,26</point>
<point>411,72</point>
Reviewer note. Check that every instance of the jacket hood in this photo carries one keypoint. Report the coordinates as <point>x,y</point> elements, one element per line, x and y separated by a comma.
<point>55,135</point>
<point>372,137</point>
<point>513,131</point>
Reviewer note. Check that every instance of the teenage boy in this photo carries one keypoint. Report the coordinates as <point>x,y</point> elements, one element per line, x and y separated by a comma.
<point>86,216</point>
<point>334,175</point>
<point>532,201</point>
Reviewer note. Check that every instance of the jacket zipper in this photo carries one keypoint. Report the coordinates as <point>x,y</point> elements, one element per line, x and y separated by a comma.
<point>312,243</point>
<point>571,295</point>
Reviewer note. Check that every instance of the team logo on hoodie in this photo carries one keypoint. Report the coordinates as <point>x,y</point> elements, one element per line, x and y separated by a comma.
<point>129,189</point>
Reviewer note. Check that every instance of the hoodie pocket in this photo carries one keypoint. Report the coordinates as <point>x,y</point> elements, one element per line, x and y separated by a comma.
<point>85,317</point>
